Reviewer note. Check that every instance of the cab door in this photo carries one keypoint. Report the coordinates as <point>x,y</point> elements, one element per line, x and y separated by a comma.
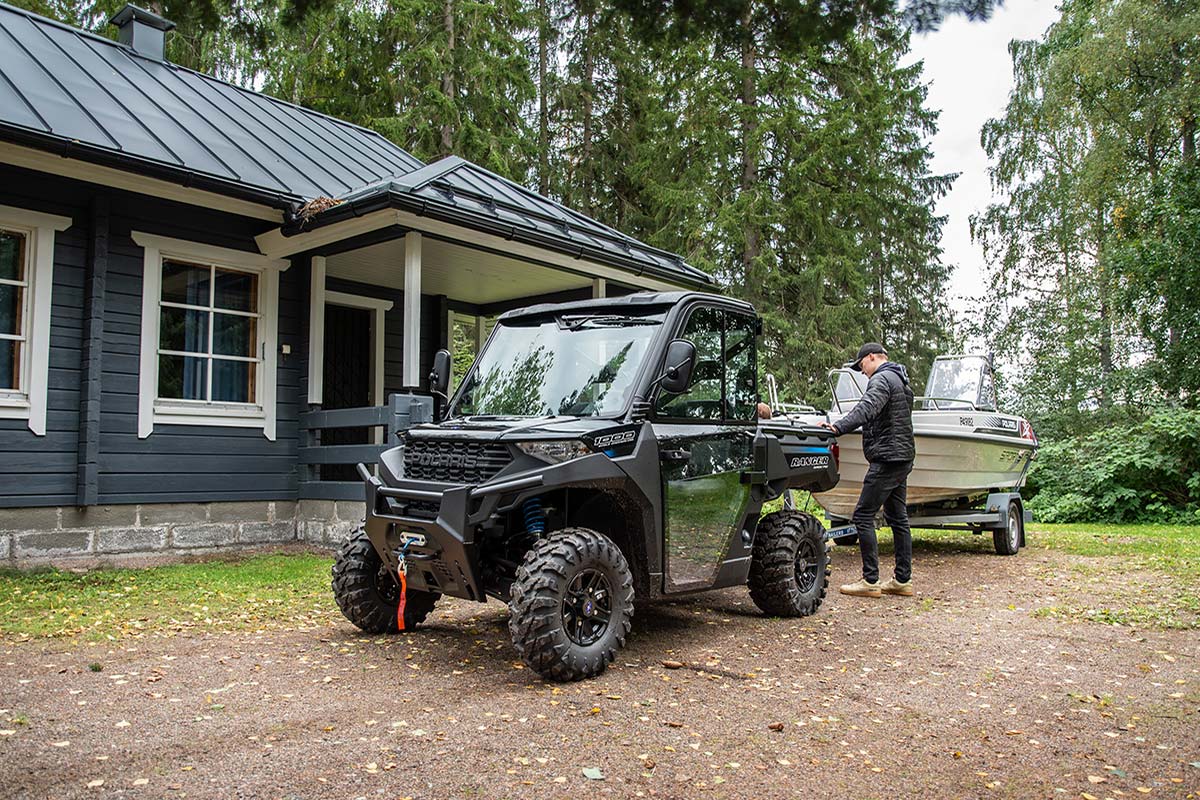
<point>706,441</point>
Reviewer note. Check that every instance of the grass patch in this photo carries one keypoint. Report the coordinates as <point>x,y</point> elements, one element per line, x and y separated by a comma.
<point>1173,550</point>
<point>256,592</point>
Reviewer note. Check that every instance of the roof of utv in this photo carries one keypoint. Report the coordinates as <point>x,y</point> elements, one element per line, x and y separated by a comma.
<point>630,303</point>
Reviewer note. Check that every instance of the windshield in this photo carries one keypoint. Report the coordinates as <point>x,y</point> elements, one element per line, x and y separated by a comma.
<point>847,387</point>
<point>956,379</point>
<point>582,365</point>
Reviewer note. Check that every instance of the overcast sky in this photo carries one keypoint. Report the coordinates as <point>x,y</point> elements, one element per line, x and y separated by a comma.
<point>968,67</point>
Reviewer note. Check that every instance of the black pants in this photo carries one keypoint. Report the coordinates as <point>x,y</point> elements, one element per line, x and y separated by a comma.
<point>886,487</point>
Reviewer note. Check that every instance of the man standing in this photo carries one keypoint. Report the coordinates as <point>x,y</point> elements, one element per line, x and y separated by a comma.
<point>885,415</point>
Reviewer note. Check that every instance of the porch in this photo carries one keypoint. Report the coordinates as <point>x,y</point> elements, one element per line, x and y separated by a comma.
<point>389,288</point>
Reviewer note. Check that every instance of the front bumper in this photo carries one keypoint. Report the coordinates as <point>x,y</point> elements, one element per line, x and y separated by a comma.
<point>441,553</point>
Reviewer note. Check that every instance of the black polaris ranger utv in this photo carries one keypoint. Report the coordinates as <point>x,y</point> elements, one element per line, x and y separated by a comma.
<point>596,452</point>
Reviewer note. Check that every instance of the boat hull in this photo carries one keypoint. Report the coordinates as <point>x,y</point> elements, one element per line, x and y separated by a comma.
<point>950,465</point>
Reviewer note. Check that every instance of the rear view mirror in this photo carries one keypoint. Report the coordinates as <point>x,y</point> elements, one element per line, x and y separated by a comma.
<point>439,376</point>
<point>681,360</point>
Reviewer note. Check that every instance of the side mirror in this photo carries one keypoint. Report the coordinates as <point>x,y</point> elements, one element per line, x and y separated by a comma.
<point>439,376</point>
<point>681,360</point>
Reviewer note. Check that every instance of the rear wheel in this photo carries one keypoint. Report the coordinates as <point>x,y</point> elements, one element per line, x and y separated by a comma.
<point>1007,540</point>
<point>847,540</point>
<point>572,605</point>
<point>368,594</point>
<point>789,567</point>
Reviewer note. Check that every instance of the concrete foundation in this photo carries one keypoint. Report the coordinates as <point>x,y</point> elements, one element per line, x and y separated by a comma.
<point>69,536</point>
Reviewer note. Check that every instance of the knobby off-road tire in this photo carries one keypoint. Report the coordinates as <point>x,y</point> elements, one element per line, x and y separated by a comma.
<point>571,605</point>
<point>789,566</point>
<point>368,594</point>
<point>1007,540</point>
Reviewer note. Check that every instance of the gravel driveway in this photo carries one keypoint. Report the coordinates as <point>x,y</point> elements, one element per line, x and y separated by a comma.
<point>959,692</point>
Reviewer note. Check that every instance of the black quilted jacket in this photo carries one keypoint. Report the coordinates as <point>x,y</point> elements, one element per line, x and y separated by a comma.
<point>885,415</point>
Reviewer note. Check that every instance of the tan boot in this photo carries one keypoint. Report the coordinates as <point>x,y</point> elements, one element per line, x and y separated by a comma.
<point>861,588</point>
<point>893,586</point>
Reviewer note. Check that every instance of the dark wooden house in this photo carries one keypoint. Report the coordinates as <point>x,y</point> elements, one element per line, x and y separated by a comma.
<point>211,301</point>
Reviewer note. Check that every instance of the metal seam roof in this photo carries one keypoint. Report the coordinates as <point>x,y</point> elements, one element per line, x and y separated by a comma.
<point>69,87</point>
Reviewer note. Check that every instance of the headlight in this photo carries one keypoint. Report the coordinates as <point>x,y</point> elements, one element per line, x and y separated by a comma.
<point>555,452</point>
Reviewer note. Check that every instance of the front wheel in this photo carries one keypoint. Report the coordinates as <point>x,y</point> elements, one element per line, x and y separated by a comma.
<point>368,594</point>
<point>572,605</point>
<point>789,567</point>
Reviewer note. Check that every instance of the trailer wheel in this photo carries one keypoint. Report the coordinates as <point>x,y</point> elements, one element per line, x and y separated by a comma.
<point>572,605</point>
<point>367,592</point>
<point>1007,540</point>
<point>789,567</point>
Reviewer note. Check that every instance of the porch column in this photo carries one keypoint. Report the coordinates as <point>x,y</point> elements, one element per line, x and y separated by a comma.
<point>412,310</point>
<point>316,332</point>
<point>599,288</point>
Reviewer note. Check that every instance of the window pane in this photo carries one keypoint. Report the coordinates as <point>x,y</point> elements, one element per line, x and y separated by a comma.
<point>10,309</point>
<point>182,377</point>
<point>184,330</point>
<point>703,399</point>
<point>233,381</point>
<point>237,291</point>
<point>740,385</point>
<point>234,336</point>
<point>185,283</point>
<point>10,365</point>
<point>12,256</point>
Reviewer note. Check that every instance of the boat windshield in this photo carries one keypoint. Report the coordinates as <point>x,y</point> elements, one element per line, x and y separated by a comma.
<point>582,365</point>
<point>965,381</point>
<point>847,388</point>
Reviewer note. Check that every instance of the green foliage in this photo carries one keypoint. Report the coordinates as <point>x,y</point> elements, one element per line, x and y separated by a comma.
<point>1141,471</point>
<point>1158,257</point>
<point>1093,248</point>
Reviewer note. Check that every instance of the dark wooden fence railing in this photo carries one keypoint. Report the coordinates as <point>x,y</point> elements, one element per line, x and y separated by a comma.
<point>401,412</point>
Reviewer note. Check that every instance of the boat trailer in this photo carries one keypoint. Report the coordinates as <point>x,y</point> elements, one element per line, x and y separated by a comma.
<point>1003,513</point>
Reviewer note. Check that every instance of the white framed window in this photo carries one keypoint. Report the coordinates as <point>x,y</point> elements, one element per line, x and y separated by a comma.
<point>26,287</point>
<point>209,336</point>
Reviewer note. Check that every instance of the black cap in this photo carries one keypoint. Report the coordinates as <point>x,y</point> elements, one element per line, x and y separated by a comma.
<point>867,349</point>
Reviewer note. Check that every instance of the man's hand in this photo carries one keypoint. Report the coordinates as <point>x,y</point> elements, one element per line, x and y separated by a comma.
<point>828,426</point>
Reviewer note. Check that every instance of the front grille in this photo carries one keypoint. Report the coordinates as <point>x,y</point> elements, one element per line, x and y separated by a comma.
<point>454,461</point>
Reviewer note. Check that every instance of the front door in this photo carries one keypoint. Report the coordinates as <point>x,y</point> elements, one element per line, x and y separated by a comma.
<point>347,376</point>
<point>706,441</point>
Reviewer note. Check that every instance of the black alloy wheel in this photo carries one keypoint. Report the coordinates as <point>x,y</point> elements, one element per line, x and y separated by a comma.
<point>807,565</point>
<point>587,607</point>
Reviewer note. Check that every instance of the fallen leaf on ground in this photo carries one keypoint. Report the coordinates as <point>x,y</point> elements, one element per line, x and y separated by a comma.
<point>775,726</point>
<point>593,774</point>
<point>673,664</point>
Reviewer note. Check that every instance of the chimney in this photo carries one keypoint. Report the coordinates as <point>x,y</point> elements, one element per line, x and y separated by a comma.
<point>142,31</point>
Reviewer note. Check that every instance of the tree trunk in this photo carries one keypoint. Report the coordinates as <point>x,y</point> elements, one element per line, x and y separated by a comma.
<point>1106,326</point>
<point>749,101</point>
<point>1189,140</point>
<point>589,73</point>
<point>543,11</point>
<point>448,78</point>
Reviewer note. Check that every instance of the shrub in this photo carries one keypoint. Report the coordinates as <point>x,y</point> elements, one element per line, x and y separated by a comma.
<point>1146,470</point>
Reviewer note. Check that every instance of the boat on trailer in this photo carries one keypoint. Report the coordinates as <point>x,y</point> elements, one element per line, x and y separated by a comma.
<point>972,459</point>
